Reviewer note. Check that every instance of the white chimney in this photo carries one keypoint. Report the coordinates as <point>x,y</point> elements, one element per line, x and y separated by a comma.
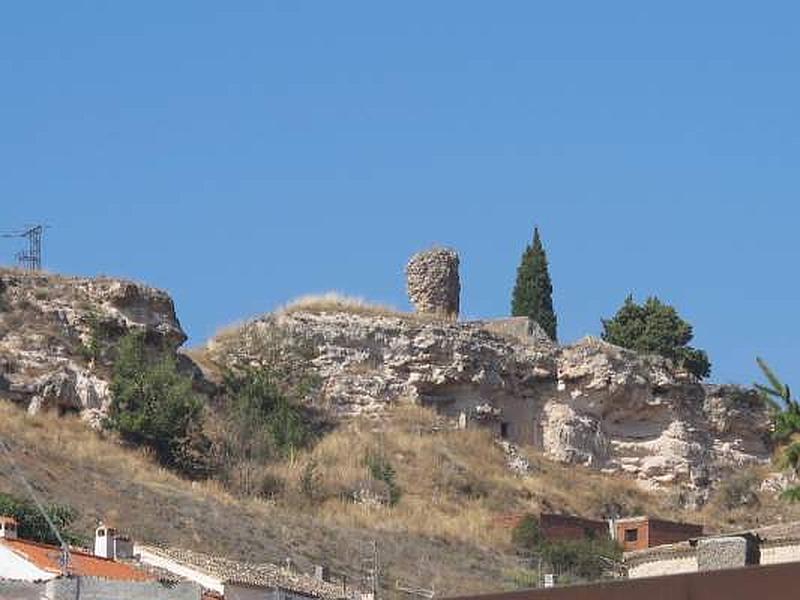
<point>104,541</point>
<point>8,528</point>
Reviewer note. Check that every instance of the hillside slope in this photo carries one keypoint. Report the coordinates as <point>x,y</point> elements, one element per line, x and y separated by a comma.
<point>443,531</point>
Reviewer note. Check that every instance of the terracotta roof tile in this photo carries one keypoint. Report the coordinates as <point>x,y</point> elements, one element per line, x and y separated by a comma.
<point>255,574</point>
<point>47,557</point>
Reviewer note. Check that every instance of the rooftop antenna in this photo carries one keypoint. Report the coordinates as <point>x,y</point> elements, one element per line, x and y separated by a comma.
<point>29,259</point>
<point>63,561</point>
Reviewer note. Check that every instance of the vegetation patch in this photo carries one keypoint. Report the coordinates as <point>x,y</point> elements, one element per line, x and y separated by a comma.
<point>32,525</point>
<point>656,328</point>
<point>154,405</point>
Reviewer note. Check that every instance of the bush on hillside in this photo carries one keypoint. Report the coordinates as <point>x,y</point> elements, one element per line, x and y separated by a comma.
<point>656,328</point>
<point>527,535</point>
<point>154,405</point>
<point>31,524</point>
<point>585,559</point>
<point>380,469</point>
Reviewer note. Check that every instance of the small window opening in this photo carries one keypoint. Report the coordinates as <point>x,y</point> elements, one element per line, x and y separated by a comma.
<point>631,535</point>
<point>504,430</point>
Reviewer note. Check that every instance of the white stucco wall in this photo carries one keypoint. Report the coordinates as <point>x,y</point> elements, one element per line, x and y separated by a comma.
<point>13,566</point>
<point>780,554</point>
<point>667,566</point>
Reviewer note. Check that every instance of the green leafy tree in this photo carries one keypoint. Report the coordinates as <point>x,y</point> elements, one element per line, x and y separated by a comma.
<point>31,524</point>
<point>154,405</point>
<point>533,291</point>
<point>656,328</point>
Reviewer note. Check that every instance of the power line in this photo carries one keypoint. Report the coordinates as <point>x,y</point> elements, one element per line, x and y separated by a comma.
<point>64,559</point>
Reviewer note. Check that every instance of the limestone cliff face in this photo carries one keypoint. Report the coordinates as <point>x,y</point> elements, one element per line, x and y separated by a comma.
<point>56,336</point>
<point>589,403</point>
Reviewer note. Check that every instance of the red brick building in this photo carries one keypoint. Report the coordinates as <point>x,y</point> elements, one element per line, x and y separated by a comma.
<point>567,527</point>
<point>638,533</point>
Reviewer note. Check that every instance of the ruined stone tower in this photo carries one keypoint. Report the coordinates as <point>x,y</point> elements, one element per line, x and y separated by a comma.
<point>432,282</point>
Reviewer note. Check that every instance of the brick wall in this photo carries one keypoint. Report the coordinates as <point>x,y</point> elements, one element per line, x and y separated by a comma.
<point>653,532</point>
<point>565,527</point>
<point>669,532</point>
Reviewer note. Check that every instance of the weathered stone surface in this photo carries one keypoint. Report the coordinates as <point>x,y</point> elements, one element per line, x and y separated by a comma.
<point>588,403</point>
<point>57,335</point>
<point>433,283</point>
<point>721,553</point>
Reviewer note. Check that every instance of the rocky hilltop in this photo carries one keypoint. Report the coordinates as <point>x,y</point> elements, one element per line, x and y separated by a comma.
<point>56,336</point>
<point>588,403</point>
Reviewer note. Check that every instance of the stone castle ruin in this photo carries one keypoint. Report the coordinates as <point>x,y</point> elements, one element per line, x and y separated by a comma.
<point>433,284</point>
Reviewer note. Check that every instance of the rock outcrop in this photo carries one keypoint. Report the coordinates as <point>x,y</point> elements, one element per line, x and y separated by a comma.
<point>588,403</point>
<point>57,335</point>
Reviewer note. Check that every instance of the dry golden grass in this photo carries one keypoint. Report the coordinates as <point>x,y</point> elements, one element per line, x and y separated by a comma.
<point>337,302</point>
<point>454,484</point>
<point>104,480</point>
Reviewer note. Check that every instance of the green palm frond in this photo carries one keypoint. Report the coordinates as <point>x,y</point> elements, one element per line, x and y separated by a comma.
<point>778,387</point>
<point>791,494</point>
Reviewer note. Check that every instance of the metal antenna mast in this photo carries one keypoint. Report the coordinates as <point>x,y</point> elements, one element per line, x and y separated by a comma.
<point>31,258</point>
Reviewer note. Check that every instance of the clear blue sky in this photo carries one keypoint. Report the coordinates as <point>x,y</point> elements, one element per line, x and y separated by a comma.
<point>239,154</point>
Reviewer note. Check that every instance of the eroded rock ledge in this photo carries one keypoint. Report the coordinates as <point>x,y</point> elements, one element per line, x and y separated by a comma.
<point>57,335</point>
<point>589,403</point>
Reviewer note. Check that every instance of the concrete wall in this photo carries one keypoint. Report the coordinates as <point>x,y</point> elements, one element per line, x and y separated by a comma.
<point>776,554</point>
<point>667,566</point>
<point>21,590</point>
<point>243,592</point>
<point>89,588</point>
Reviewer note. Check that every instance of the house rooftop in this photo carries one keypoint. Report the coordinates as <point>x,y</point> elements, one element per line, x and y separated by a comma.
<point>777,534</point>
<point>253,574</point>
<point>47,557</point>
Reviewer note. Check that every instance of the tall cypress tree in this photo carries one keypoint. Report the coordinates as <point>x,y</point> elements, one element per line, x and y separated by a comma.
<point>533,291</point>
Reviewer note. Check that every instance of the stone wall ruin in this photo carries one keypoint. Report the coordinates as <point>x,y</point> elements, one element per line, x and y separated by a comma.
<point>433,283</point>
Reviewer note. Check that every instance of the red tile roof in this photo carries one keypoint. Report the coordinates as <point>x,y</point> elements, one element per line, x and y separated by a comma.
<point>47,558</point>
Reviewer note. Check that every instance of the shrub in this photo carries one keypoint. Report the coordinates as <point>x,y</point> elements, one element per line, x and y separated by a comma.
<point>154,405</point>
<point>655,327</point>
<point>31,524</point>
<point>310,480</point>
<point>585,559</point>
<point>740,489</point>
<point>380,469</point>
<point>262,420</point>
<point>526,535</point>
